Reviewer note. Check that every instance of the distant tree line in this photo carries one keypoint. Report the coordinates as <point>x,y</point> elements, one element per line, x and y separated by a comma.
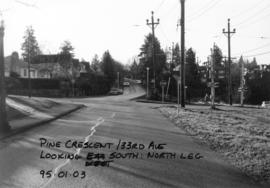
<point>257,81</point>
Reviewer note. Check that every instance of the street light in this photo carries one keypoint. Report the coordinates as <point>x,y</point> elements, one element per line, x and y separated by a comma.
<point>4,126</point>
<point>147,89</point>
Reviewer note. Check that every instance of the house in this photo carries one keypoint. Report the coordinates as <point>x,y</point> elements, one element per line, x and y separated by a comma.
<point>14,65</point>
<point>44,66</point>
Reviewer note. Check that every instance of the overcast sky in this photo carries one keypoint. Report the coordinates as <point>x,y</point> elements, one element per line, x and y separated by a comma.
<point>93,26</point>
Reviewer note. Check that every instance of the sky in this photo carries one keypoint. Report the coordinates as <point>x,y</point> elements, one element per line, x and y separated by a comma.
<point>94,26</point>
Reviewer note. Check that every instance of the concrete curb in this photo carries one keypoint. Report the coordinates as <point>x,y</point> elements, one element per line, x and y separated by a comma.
<point>38,124</point>
<point>152,101</point>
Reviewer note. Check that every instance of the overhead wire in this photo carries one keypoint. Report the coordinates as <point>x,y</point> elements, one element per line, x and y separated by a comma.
<point>159,6</point>
<point>27,4</point>
<point>166,37</point>
<point>254,49</point>
<point>252,16</point>
<point>204,11</point>
<point>206,5</point>
<point>248,9</point>
<point>258,54</point>
<point>259,19</point>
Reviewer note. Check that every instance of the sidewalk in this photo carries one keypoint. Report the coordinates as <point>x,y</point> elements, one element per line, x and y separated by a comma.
<point>34,112</point>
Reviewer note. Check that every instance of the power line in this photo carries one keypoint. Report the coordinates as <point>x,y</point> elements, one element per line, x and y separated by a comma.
<point>27,4</point>
<point>171,10</point>
<point>252,16</point>
<point>259,54</point>
<point>254,49</point>
<point>247,10</point>
<point>202,7</point>
<point>159,6</point>
<point>259,19</point>
<point>204,11</point>
<point>162,31</point>
<point>258,37</point>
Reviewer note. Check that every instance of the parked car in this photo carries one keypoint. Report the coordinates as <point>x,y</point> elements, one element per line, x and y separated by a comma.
<point>116,91</point>
<point>126,84</point>
<point>138,81</point>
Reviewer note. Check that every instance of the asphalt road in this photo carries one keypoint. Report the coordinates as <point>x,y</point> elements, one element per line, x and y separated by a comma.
<point>111,120</point>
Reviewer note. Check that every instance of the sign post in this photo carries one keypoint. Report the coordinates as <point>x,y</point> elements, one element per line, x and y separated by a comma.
<point>73,82</point>
<point>163,84</point>
<point>147,89</point>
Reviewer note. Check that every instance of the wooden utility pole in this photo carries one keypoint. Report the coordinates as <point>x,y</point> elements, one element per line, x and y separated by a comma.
<point>29,70</point>
<point>153,25</point>
<point>228,34</point>
<point>182,70</point>
<point>242,83</point>
<point>212,73</point>
<point>4,126</point>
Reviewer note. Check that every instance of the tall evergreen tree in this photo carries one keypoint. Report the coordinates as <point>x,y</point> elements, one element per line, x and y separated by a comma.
<point>176,55</point>
<point>30,47</point>
<point>108,68</point>
<point>146,59</point>
<point>66,62</point>
<point>192,75</point>
<point>217,56</point>
<point>67,48</point>
<point>134,69</point>
<point>95,63</point>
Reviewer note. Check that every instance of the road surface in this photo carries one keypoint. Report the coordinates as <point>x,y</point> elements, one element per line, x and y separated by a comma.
<point>162,155</point>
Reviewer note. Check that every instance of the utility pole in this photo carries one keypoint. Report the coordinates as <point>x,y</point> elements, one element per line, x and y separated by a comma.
<point>212,73</point>
<point>171,63</point>
<point>242,83</point>
<point>228,34</point>
<point>4,126</point>
<point>29,71</point>
<point>182,70</point>
<point>147,90</point>
<point>153,25</point>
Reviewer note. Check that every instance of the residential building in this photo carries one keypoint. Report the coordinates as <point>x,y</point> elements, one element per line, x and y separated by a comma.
<point>43,66</point>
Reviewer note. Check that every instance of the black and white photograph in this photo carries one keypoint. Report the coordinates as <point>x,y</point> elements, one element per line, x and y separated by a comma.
<point>134,93</point>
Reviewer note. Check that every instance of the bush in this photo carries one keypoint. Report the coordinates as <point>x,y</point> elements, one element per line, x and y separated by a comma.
<point>40,83</point>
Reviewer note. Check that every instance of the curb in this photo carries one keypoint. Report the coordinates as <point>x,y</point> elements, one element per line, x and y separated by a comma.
<point>152,101</point>
<point>40,123</point>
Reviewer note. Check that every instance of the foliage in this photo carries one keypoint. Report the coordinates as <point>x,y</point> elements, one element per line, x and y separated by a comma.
<point>134,69</point>
<point>93,84</point>
<point>217,56</point>
<point>258,84</point>
<point>176,58</point>
<point>67,63</point>
<point>108,68</point>
<point>192,77</point>
<point>30,45</point>
<point>95,63</point>
<point>146,60</point>
<point>111,68</point>
<point>67,48</point>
